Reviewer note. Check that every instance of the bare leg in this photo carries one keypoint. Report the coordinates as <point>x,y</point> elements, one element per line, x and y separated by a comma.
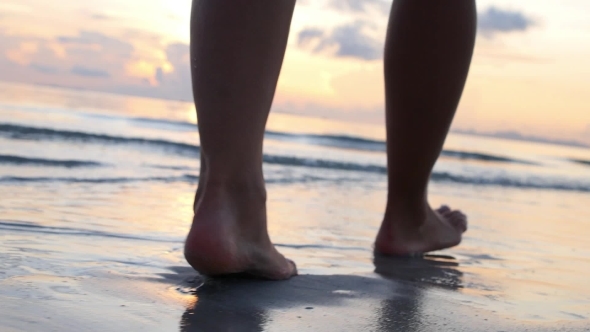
<point>427,56</point>
<point>237,49</point>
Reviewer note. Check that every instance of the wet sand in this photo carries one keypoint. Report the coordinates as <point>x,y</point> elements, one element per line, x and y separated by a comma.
<point>401,295</point>
<point>79,277</point>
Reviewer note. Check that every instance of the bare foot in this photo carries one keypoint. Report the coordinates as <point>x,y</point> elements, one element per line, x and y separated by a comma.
<point>229,236</point>
<point>406,233</point>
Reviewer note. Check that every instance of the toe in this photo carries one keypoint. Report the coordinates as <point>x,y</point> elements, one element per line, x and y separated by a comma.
<point>289,270</point>
<point>443,209</point>
<point>279,269</point>
<point>458,220</point>
<point>293,270</point>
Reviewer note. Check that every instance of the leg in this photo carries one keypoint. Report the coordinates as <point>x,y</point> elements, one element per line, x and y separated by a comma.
<point>237,49</point>
<point>427,56</point>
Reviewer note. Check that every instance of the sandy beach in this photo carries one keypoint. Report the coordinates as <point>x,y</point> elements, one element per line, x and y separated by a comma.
<point>95,202</point>
<point>402,295</point>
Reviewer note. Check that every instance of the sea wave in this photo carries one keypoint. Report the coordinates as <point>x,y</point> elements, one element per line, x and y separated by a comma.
<point>321,163</point>
<point>17,160</point>
<point>364,144</point>
<point>13,131</point>
<point>437,177</point>
<point>31,227</point>
<point>341,141</point>
<point>581,161</point>
<point>505,181</point>
<point>335,141</point>
<point>482,157</point>
<point>164,124</point>
<point>106,180</point>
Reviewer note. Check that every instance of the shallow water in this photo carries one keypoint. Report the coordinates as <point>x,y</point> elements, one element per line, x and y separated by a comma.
<point>96,194</point>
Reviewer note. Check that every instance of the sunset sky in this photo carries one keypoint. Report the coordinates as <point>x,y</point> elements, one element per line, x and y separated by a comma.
<point>531,70</point>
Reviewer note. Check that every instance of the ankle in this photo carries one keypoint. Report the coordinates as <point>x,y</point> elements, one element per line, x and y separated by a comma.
<point>403,214</point>
<point>244,188</point>
<point>407,198</point>
<point>232,208</point>
<point>241,175</point>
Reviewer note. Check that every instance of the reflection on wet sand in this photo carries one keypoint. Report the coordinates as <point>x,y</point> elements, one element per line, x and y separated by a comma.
<point>324,302</point>
<point>431,271</point>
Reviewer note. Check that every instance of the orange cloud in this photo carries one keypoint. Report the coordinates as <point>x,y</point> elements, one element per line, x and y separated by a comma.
<point>142,69</point>
<point>22,55</point>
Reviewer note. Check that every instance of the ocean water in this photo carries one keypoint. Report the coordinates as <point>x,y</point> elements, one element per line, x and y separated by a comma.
<point>94,184</point>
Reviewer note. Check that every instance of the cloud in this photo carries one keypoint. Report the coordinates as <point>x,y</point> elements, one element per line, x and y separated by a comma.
<point>133,62</point>
<point>44,68</point>
<point>353,39</point>
<point>307,36</point>
<point>89,72</point>
<point>495,20</point>
<point>349,40</point>
<point>361,6</point>
<point>104,43</point>
<point>176,83</point>
<point>84,55</point>
<point>160,75</point>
